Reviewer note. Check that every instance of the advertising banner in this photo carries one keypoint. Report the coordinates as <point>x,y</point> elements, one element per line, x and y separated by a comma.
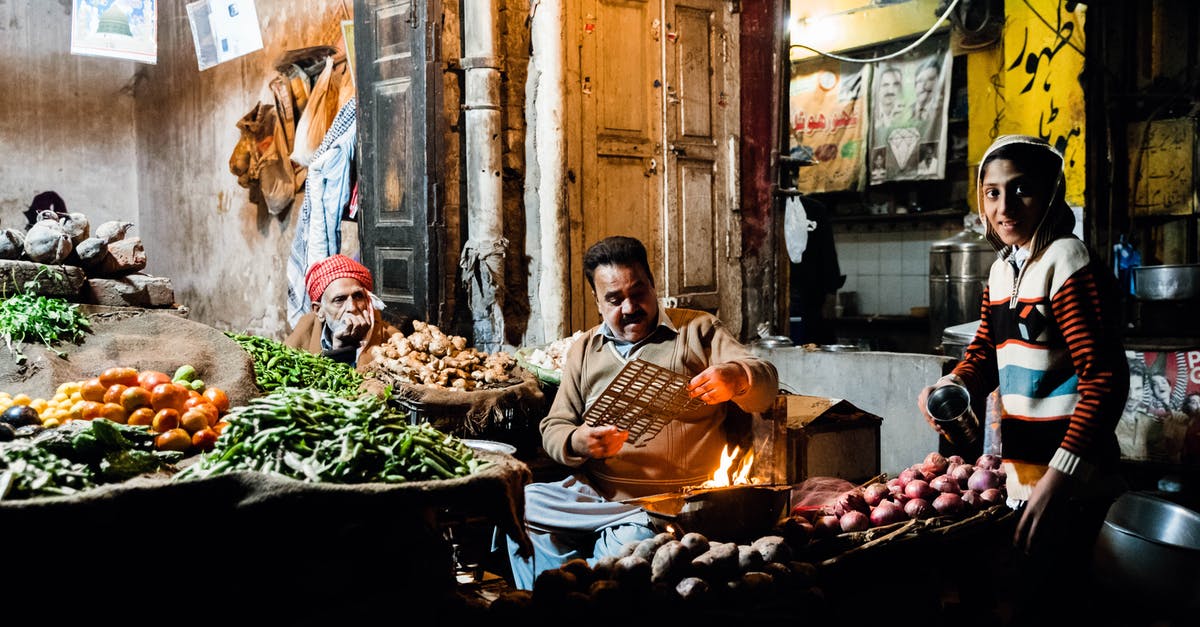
<point>909,97</point>
<point>826,103</point>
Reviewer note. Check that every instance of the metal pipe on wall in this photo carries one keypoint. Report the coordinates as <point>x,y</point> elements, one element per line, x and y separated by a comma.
<point>482,259</point>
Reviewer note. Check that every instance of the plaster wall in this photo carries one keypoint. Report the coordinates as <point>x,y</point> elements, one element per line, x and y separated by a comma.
<point>67,124</point>
<point>226,256</point>
<point>884,384</point>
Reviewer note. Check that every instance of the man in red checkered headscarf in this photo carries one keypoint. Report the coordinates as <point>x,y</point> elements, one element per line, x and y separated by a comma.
<point>344,321</point>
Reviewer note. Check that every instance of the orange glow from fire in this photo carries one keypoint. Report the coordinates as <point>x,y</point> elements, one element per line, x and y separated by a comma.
<point>723,477</point>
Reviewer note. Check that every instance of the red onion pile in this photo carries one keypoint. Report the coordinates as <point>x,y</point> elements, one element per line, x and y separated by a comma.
<point>937,486</point>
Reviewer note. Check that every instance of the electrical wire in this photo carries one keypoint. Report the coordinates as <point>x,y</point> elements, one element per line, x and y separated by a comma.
<point>938,23</point>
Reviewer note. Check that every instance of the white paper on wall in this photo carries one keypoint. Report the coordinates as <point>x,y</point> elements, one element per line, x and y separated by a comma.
<point>223,30</point>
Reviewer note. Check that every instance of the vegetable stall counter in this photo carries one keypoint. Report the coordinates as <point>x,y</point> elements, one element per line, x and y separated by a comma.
<point>280,551</point>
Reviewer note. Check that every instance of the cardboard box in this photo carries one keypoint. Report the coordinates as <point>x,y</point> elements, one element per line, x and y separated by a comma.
<point>816,436</point>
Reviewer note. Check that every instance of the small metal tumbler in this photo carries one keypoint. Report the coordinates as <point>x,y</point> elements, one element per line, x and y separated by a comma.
<point>950,407</point>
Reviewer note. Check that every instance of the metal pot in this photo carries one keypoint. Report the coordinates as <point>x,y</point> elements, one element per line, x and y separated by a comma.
<point>1173,282</point>
<point>1149,550</point>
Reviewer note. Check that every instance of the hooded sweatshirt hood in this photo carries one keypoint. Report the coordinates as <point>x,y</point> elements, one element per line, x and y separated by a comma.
<point>1058,220</point>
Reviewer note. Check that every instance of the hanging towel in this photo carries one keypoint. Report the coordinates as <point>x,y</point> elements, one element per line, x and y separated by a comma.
<point>326,193</point>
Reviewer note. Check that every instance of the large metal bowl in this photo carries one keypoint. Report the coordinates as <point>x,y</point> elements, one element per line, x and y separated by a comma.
<point>1148,551</point>
<point>1173,282</point>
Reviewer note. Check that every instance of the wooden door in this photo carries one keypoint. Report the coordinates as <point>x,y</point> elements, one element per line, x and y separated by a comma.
<point>654,111</point>
<point>619,104</point>
<point>399,212</point>
<point>702,236</point>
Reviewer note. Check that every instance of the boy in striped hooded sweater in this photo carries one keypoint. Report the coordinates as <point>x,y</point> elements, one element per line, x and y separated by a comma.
<point>1049,337</point>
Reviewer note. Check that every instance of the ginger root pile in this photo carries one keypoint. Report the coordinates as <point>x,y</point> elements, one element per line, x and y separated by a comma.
<point>427,356</point>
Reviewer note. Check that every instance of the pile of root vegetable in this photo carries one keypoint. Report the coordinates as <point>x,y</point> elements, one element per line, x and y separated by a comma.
<point>427,356</point>
<point>674,579</point>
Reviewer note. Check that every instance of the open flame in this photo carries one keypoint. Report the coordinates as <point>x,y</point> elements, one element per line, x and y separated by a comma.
<point>723,477</point>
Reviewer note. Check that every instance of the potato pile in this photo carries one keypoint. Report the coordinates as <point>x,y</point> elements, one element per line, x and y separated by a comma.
<point>427,356</point>
<point>680,576</point>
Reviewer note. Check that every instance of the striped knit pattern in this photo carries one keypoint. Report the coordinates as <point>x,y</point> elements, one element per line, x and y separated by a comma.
<point>1049,339</point>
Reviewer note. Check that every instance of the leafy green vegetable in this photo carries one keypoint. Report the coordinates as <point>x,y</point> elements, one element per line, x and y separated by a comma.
<point>78,455</point>
<point>30,316</point>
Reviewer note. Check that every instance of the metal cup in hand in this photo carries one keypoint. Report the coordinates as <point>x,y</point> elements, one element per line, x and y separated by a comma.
<point>950,408</point>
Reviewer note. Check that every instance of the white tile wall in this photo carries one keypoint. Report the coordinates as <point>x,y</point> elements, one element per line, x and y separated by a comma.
<point>888,270</point>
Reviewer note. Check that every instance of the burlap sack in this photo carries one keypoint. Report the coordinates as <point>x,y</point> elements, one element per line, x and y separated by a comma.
<point>135,338</point>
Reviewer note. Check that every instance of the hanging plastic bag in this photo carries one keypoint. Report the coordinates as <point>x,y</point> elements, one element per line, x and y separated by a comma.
<point>796,226</point>
<point>318,114</point>
<point>1125,259</point>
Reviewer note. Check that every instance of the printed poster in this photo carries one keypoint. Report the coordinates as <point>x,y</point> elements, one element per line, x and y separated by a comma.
<point>1161,421</point>
<point>120,29</point>
<point>909,98</point>
<point>826,105</point>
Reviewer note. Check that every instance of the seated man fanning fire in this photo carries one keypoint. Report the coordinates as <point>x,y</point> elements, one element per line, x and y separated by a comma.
<point>583,516</point>
<point>345,320</point>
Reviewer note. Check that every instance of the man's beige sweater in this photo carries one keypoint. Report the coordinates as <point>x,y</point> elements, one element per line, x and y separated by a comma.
<point>688,449</point>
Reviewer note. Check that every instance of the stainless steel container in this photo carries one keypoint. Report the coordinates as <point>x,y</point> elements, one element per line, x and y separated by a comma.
<point>958,271</point>
<point>1174,282</point>
<point>957,337</point>
<point>1149,551</point>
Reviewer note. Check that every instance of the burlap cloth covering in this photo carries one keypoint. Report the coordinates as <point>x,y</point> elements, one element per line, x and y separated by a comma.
<point>474,413</point>
<point>134,338</point>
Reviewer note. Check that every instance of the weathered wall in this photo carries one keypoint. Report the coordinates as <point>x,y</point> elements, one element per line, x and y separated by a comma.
<point>67,122</point>
<point>226,256</point>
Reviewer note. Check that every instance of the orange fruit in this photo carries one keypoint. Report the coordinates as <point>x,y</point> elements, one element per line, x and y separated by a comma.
<point>173,440</point>
<point>194,420</point>
<point>135,397</point>
<point>168,395</point>
<point>93,390</point>
<point>91,410</point>
<point>220,427</point>
<point>114,412</point>
<point>150,378</point>
<point>202,405</point>
<point>125,376</point>
<point>165,420</point>
<point>204,439</point>
<point>141,416</point>
<point>218,398</point>
<point>114,392</point>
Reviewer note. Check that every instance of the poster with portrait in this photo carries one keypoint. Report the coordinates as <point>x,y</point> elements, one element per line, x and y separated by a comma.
<point>826,107</point>
<point>908,103</point>
<point>1161,420</point>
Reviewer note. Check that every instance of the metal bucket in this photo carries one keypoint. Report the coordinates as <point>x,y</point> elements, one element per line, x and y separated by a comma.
<point>1176,282</point>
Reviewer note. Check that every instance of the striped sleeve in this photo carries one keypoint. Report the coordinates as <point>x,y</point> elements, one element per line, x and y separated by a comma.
<point>1095,348</point>
<point>977,369</point>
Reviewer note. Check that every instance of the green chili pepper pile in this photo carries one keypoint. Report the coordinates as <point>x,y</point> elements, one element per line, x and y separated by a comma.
<point>50,321</point>
<point>317,436</point>
<point>277,365</point>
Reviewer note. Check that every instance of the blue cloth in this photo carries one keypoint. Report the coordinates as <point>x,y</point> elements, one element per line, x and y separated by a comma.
<point>568,520</point>
<point>326,191</point>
